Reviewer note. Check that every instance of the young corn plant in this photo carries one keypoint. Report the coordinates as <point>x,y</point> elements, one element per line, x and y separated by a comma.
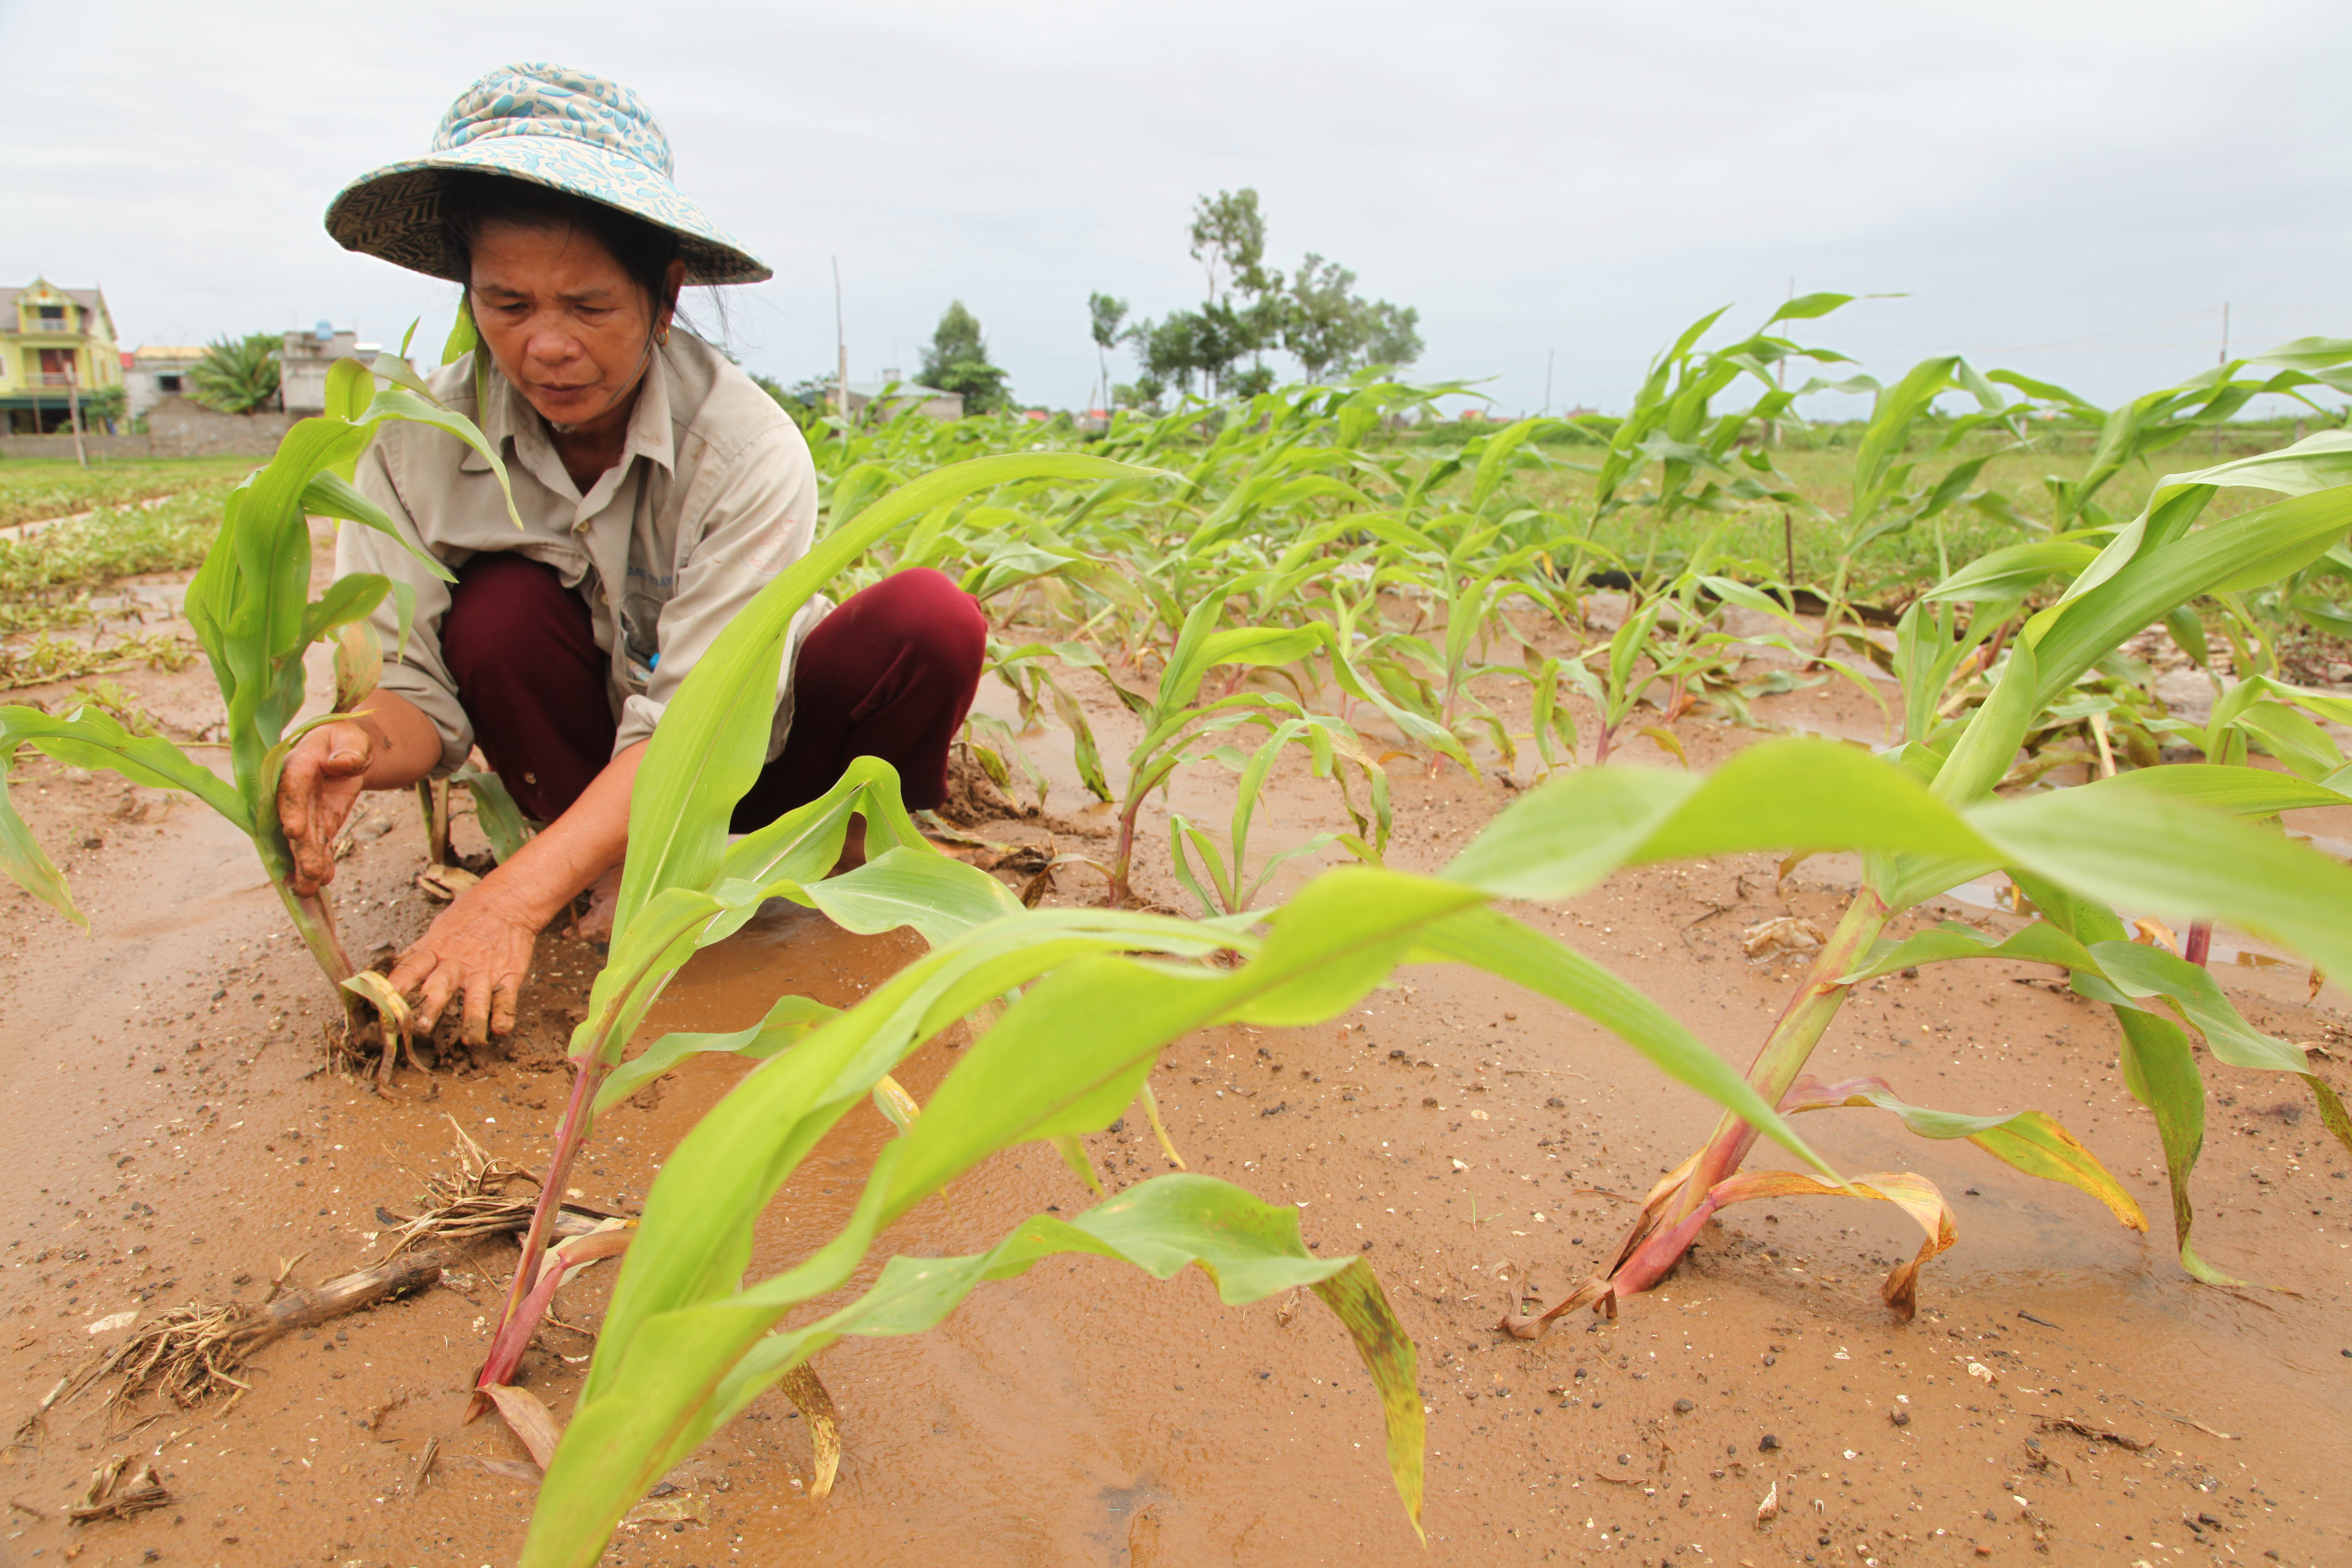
<point>1175,719</point>
<point>686,887</point>
<point>1705,460</point>
<point>250,608</point>
<point>1333,748</point>
<point>1673,638</point>
<point>2157,838</point>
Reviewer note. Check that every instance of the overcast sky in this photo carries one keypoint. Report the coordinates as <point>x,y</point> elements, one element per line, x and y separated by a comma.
<point>2070,187</point>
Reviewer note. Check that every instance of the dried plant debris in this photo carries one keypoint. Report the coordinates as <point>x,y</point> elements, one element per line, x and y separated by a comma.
<point>2095,1433</point>
<point>33,1428</point>
<point>191,1352</point>
<point>474,1200</point>
<point>1782,933</point>
<point>109,1496</point>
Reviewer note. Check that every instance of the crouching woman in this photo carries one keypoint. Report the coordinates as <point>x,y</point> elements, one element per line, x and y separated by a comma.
<point>659,489</point>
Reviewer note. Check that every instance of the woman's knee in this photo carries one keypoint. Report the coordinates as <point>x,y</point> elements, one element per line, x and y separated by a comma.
<point>923,610</point>
<point>509,611</point>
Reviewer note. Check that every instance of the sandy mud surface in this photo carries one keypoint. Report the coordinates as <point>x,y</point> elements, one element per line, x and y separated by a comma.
<point>2066,1393</point>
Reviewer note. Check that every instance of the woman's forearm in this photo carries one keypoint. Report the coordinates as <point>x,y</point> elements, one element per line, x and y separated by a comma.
<point>404,746</point>
<point>567,856</point>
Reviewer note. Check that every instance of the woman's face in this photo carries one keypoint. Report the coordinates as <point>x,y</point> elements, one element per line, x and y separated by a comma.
<point>566,325</point>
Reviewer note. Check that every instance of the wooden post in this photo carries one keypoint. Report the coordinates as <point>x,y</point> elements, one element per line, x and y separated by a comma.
<point>2224,359</point>
<point>841,342</point>
<point>73,408</point>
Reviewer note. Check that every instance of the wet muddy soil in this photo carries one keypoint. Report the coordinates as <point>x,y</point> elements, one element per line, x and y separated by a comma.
<point>2066,1393</point>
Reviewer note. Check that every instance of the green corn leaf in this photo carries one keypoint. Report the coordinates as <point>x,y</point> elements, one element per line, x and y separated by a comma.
<point>1186,839</point>
<point>495,812</point>
<point>2139,850</point>
<point>2240,791</point>
<point>20,853</point>
<point>1491,941</point>
<point>2303,746</point>
<point>1982,754</point>
<point>1249,1248</point>
<point>786,1022</point>
<point>1567,834</point>
<point>94,740</point>
<point>1083,752</point>
<point>1808,307</point>
<point>329,494</point>
<point>2200,1000</point>
<point>936,896</point>
<point>2158,1069</point>
<point>2015,571</point>
<point>2040,942</point>
<point>2248,551</point>
<point>703,758</point>
<point>347,599</point>
<point>2319,462</point>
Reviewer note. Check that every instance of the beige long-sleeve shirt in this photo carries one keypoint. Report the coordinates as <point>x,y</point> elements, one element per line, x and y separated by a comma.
<point>714,495</point>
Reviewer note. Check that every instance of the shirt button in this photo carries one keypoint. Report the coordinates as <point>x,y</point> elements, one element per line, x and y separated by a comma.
<point>531,778</point>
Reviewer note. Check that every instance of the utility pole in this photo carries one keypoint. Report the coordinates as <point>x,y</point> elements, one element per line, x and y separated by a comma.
<point>841,342</point>
<point>1550,355</point>
<point>2224,359</point>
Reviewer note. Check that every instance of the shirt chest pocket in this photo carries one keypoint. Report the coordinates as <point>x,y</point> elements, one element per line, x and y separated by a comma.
<point>643,599</point>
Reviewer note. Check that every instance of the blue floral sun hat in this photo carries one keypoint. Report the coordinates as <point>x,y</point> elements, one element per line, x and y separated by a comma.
<point>552,126</point>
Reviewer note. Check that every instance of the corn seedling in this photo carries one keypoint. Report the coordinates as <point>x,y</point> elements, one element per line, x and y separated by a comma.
<point>686,887</point>
<point>1332,748</point>
<point>1177,718</point>
<point>249,608</point>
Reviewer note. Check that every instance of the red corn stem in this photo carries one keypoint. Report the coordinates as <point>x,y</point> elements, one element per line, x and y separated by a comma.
<point>1658,1239</point>
<point>1792,1042</point>
<point>2199,945</point>
<point>1119,892</point>
<point>515,1325</point>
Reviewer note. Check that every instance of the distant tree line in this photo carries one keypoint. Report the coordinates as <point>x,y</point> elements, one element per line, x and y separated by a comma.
<point>1315,315</point>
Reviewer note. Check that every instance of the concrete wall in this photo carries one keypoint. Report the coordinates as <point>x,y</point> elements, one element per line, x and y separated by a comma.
<point>63,447</point>
<point>176,428</point>
<point>179,429</point>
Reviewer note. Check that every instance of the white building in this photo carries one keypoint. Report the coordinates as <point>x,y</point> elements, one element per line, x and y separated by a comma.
<point>153,372</point>
<point>302,362</point>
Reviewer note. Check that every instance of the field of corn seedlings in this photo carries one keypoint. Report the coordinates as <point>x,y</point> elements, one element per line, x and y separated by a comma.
<point>1430,876</point>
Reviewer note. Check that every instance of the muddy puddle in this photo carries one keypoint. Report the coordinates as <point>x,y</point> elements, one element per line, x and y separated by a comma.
<point>174,1137</point>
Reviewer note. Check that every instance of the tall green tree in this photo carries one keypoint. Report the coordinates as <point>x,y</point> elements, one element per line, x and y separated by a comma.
<point>1229,233</point>
<point>956,360</point>
<point>1332,329</point>
<point>1395,334</point>
<point>1106,314</point>
<point>236,376</point>
<point>1228,236</point>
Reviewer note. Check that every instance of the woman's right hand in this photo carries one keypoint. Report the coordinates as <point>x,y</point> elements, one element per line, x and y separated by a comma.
<point>324,775</point>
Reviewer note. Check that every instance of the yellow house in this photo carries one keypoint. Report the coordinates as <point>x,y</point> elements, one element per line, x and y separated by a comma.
<point>53,343</point>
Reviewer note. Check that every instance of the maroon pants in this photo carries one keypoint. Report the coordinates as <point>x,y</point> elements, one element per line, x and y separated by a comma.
<point>890,673</point>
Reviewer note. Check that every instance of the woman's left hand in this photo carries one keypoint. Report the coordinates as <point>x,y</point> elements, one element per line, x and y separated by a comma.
<point>478,947</point>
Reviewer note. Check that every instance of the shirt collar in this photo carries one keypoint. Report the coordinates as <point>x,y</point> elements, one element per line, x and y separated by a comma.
<point>513,427</point>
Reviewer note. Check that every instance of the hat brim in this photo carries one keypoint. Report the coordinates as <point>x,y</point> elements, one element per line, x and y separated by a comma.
<point>394,212</point>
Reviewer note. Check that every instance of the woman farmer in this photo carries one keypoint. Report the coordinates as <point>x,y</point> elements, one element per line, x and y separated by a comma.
<point>659,489</point>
